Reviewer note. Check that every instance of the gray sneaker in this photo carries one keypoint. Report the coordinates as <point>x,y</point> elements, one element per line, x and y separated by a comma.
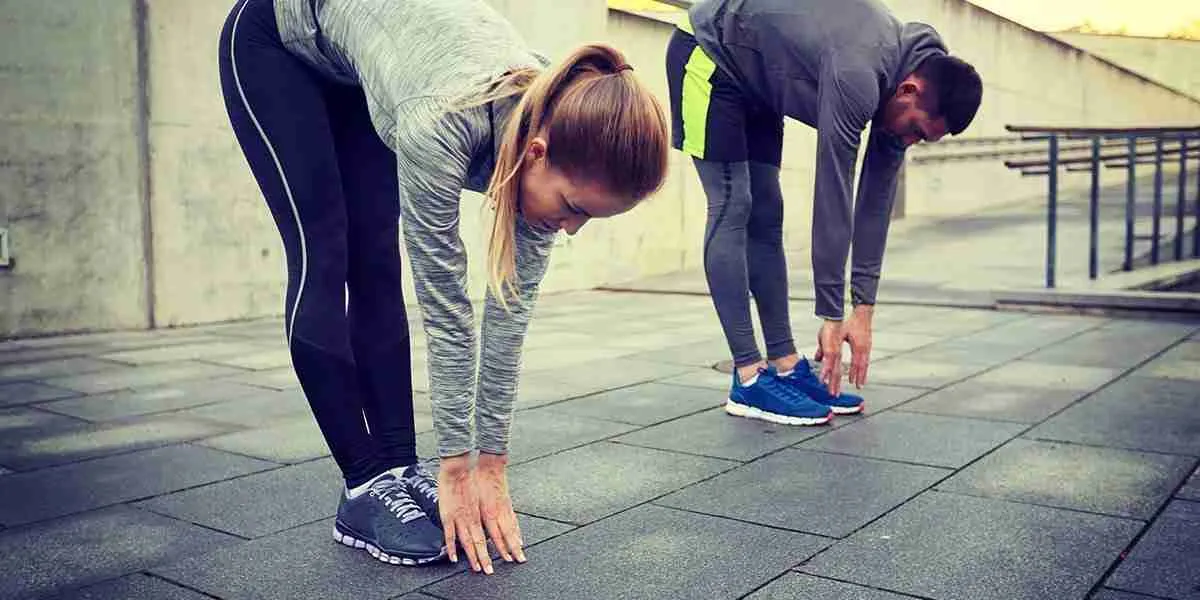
<point>388,523</point>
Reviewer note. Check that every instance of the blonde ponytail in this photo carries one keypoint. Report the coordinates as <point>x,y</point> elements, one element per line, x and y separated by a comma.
<point>602,123</point>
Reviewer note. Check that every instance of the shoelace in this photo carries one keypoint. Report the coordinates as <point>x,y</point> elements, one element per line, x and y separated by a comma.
<point>393,495</point>
<point>424,483</point>
<point>775,384</point>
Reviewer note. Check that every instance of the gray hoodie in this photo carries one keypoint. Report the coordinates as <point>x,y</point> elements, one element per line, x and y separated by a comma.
<point>830,64</point>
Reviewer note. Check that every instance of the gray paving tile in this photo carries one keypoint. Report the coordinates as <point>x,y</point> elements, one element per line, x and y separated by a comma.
<point>122,378</point>
<point>25,392</point>
<point>902,342</point>
<point>973,398</point>
<point>46,369</point>
<point>953,547</point>
<point>951,322</point>
<point>23,421</point>
<point>538,388</point>
<point>68,553</point>
<point>702,353</point>
<point>259,408</point>
<point>1191,490</point>
<point>1107,594</point>
<point>1114,482</point>
<point>260,360</point>
<point>1034,332</point>
<point>903,370</point>
<point>67,350</point>
<point>38,447</point>
<point>291,441</point>
<point>704,378</point>
<point>644,404</point>
<point>812,492</point>
<point>197,351</point>
<point>1057,377</point>
<point>1166,561</point>
<point>132,586</point>
<point>258,504</point>
<point>674,551</point>
<point>1158,415</point>
<point>956,352</point>
<point>910,437</point>
<point>105,481</point>
<point>1117,345</point>
<point>714,433</point>
<point>876,399</point>
<point>144,401</point>
<point>592,482</point>
<point>536,433</point>
<point>267,568</point>
<point>277,379</point>
<point>799,585</point>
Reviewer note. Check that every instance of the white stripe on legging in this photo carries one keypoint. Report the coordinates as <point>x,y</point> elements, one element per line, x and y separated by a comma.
<point>286,188</point>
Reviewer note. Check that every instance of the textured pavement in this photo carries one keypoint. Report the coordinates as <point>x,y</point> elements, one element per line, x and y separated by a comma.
<point>1003,456</point>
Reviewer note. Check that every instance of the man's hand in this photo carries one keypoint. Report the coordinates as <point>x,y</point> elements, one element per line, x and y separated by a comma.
<point>858,333</point>
<point>829,352</point>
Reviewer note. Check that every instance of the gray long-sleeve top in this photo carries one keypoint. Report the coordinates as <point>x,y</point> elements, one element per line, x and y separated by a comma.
<point>830,64</point>
<point>416,60</point>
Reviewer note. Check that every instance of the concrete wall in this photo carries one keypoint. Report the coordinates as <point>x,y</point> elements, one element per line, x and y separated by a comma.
<point>70,177</point>
<point>130,204</point>
<point>1173,62</point>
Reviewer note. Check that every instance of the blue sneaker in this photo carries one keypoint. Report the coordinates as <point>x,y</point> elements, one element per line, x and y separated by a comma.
<point>386,521</point>
<point>770,399</point>
<point>803,379</point>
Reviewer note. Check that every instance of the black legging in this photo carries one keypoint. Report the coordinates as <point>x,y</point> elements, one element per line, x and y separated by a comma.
<point>331,186</point>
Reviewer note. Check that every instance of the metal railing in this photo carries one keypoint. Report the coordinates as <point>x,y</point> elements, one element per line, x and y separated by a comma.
<point>1114,148</point>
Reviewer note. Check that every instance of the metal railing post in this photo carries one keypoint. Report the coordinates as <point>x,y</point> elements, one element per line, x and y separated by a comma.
<point>1182,198</point>
<point>1052,212</point>
<point>1158,180</point>
<point>1130,196</point>
<point>1094,216</point>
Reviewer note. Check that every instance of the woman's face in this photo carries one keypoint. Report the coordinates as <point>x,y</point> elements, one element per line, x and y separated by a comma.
<point>552,201</point>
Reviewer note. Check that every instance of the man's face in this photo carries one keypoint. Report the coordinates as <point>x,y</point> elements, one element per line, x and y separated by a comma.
<point>907,114</point>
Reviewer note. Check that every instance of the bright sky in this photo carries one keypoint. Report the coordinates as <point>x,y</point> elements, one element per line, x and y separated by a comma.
<point>1140,17</point>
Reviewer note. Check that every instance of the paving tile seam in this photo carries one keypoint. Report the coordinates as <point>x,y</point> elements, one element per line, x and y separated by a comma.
<point>1128,549</point>
<point>34,407</point>
<point>157,413</point>
<point>1134,592</point>
<point>122,452</point>
<point>179,583</point>
<point>864,585</point>
<point>685,452</point>
<point>765,584</point>
<point>596,393</point>
<point>831,538</point>
<point>1093,513</point>
<point>1103,447</point>
<point>132,504</point>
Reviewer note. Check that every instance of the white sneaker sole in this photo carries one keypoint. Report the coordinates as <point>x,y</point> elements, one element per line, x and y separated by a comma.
<point>741,410</point>
<point>352,542</point>
<point>847,410</point>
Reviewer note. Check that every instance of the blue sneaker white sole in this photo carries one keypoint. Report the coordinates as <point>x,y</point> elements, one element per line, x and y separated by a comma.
<point>750,412</point>
<point>847,410</point>
<point>349,540</point>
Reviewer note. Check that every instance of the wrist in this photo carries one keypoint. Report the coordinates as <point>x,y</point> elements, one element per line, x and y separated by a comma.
<point>492,462</point>
<point>863,312</point>
<point>456,467</point>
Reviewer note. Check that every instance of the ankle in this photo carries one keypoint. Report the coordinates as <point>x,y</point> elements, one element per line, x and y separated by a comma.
<point>785,364</point>
<point>748,372</point>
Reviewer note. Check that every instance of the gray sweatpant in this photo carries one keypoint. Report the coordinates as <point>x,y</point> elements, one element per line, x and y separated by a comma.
<point>743,256</point>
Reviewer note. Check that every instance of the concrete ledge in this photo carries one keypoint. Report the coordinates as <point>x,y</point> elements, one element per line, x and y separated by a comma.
<point>1162,276</point>
<point>1108,300</point>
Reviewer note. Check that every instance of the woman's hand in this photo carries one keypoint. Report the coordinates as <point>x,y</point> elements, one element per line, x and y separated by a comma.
<point>495,506</point>
<point>458,505</point>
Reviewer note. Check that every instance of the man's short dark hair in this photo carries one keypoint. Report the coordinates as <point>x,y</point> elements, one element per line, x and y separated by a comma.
<point>957,86</point>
